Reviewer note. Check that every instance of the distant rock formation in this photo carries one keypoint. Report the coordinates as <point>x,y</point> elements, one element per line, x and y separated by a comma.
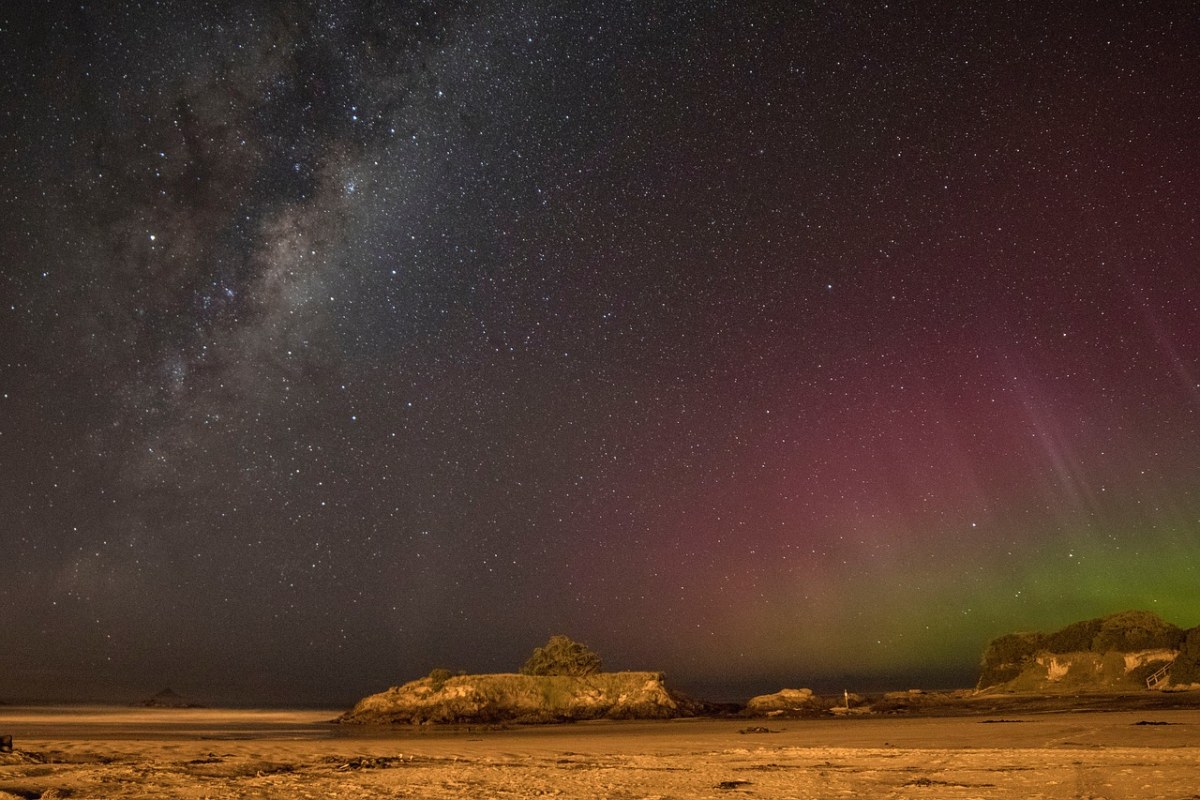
<point>168,699</point>
<point>784,703</point>
<point>789,703</point>
<point>1129,651</point>
<point>917,701</point>
<point>480,699</point>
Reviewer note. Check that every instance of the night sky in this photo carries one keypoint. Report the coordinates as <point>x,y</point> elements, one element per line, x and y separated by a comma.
<point>764,343</point>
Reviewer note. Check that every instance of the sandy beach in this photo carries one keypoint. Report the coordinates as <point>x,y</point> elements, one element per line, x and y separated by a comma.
<point>85,752</point>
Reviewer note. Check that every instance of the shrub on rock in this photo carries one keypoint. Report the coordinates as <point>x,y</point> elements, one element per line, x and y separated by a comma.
<point>1006,655</point>
<point>1074,638</point>
<point>1130,631</point>
<point>562,656</point>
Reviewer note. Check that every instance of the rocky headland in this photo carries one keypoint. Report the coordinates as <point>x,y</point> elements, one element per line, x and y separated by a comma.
<point>505,697</point>
<point>1133,659</point>
<point>1131,651</point>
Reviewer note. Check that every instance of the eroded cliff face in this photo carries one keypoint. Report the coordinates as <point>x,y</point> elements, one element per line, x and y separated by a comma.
<point>1088,672</point>
<point>1122,652</point>
<point>467,699</point>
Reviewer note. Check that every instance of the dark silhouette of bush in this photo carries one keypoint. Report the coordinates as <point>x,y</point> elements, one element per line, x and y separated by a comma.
<point>1136,630</point>
<point>1125,632</point>
<point>562,656</point>
<point>1186,668</point>
<point>1074,638</point>
<point>1005,655</point>
<point>438,677</point>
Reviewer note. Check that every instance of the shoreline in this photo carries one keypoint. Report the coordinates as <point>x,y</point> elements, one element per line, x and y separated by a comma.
<point>190,753</point>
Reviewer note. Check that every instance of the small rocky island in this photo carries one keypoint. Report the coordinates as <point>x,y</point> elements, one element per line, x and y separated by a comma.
<point>561,682</point>
<point>477,699</point>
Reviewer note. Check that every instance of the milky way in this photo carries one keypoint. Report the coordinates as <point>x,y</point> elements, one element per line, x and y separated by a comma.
<point>804,344</point>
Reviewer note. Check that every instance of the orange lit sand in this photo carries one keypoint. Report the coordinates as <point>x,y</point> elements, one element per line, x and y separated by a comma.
<point>137,753</point>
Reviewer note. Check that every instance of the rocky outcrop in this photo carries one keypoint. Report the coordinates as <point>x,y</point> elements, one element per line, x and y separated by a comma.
<point>1088,672</point>
<point>475,699</point>
<point>1130,651</point>
<point>785,703</point>
<point>789,703</point>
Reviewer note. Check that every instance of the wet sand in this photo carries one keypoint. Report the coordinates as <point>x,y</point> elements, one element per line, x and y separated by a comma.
<point>192,753</point>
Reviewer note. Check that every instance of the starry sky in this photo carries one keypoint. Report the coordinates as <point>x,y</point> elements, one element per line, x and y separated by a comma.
<point>768,344</point>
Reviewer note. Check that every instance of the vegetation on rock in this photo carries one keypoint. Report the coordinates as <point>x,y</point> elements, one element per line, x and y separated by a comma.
<point>560,682</point>
<point>1005,656</point>
<point>1009,657</point>
<point>1074,638</point>
<point>489,699</point>
<point>1131,631</point>
<point>1186,669</point>
<point>562,656</point>
<point>438,677</point>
